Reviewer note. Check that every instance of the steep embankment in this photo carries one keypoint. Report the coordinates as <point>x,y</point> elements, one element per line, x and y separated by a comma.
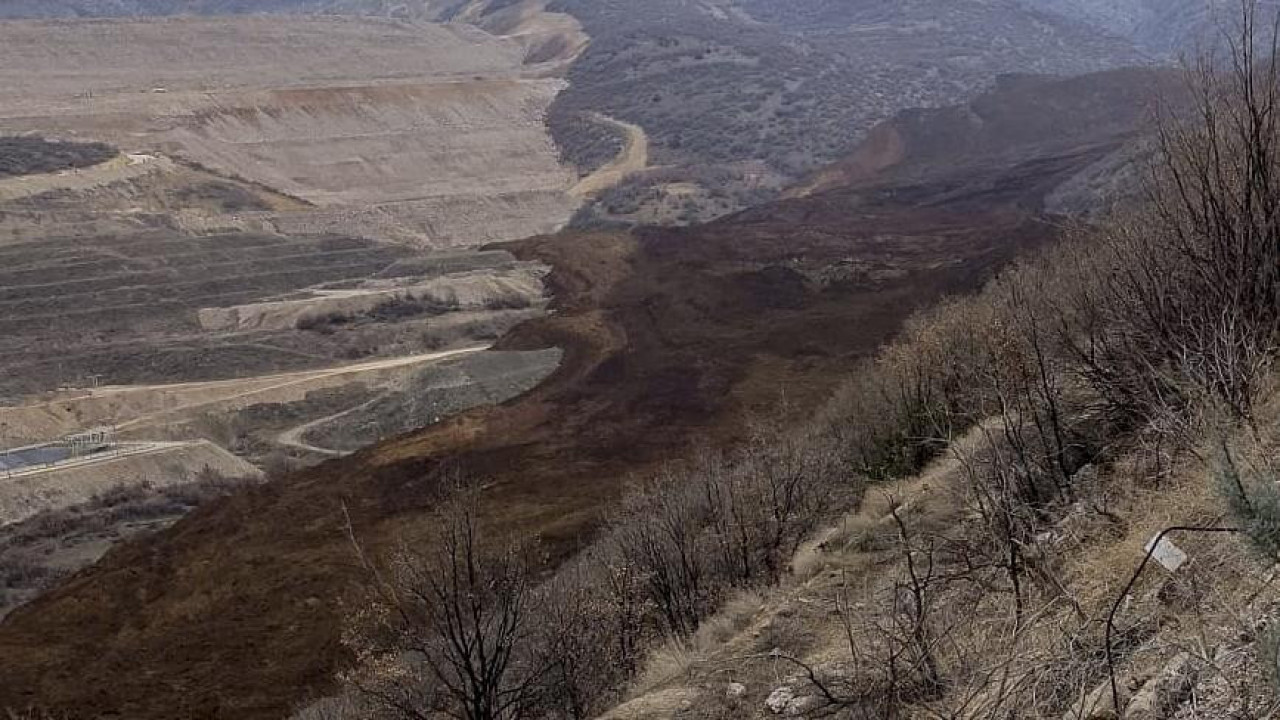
<point>671,338</point>
<point>1190,642</point>
<point>1022,118</point>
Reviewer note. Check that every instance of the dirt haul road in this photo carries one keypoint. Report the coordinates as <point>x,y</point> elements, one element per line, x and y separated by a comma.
<point>293,438</point>
<point>135,408</point>
<point>633,158</point>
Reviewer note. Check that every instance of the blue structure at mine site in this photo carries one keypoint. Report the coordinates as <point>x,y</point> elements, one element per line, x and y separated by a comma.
<point>73,446</point>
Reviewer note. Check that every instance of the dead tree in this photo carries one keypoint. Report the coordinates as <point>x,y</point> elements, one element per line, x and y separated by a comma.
<point>450,631</point>
<point>1184,298</point>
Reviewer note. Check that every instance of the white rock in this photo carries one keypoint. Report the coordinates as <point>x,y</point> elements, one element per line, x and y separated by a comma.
<point>801,706</point>
<point>779,699</point>
<point>1166,553</point>
<point>735,690</point>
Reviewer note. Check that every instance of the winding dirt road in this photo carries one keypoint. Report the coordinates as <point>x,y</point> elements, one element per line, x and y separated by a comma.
<point>293,437</point>
<point>633,158</point>
<point>138,407</point>
<point>284,381</point>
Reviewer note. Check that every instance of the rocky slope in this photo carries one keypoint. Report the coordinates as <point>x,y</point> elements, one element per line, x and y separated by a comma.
<point>1193,642</point>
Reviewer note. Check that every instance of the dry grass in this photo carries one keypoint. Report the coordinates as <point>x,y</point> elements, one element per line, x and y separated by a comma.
<point>676,658</point>
<point>342,707</point>
<point>1048,665</point>
<point>671,662</point>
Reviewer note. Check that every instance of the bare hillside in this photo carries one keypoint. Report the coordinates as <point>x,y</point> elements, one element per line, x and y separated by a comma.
<point>435,127</point>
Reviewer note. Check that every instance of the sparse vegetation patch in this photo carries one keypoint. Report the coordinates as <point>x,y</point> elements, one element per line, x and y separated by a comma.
<point>34,155</point>
<point>37,553</point>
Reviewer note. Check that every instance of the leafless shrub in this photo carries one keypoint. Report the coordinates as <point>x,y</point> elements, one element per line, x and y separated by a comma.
<point>449,629</point>
<point>1183,295</point>
<point>658,532</point>
<point>900,409</point>
<point>766,498</point>
<point>894,636</point>
<point>668,559</point>
<point>586,640</point>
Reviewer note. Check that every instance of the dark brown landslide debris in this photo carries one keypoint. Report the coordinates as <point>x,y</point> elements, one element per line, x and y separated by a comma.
<point>673,338</point>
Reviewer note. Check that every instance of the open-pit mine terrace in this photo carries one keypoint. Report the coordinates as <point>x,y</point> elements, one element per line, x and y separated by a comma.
<point>424,133</point>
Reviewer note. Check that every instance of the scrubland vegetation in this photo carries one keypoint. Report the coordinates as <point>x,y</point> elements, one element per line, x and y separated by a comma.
<point>33,155</point>
<point>1095,394</point>
<point>585,143</point>
<point>49,547</point>
<point>791,86</point>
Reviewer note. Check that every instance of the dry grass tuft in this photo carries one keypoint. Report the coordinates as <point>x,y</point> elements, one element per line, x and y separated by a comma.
<point>672,661</point>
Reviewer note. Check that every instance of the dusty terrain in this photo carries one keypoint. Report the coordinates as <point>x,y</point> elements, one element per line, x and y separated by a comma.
<point>671,338</point>
<point>150,408</point>
<point>268,265</point>
<point>278,172</point>
<point>437,128</point>
<point>280,180</point>
<point>146,303</point>
<point>137,294</point>
<point>250,263</point>
<point>247,260</point>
